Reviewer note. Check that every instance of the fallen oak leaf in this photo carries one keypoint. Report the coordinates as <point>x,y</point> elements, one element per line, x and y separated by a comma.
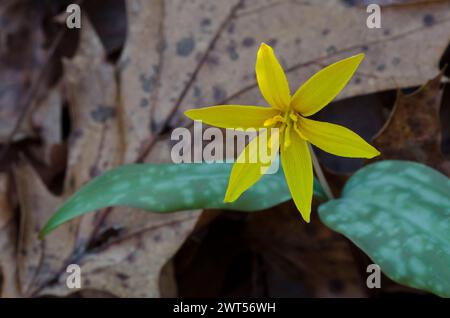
<point>120,251</point>
<point>95,142</point>
<point>156,78</point>
<point>307,37</point>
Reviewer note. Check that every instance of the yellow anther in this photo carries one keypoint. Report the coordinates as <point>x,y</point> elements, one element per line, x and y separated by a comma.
<point>299,132</point>
<point>293,117</point>
<point>287,136</point>
<point>273,120</point>
<point>268,122</point>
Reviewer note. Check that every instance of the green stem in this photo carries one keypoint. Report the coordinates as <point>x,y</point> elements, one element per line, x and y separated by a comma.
<point>319,173</point>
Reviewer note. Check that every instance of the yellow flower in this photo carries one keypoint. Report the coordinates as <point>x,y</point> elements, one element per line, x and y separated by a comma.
<point>288,113</point>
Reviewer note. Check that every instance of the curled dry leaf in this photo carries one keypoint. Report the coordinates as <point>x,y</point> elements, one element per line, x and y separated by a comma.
<point>8,233</point>
<point>392,2</point>
<point>413,130</point>
<point>21,57</point>
<point>46,117</point>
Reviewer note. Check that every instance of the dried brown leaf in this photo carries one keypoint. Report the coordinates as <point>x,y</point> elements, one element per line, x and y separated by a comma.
<point>413,130</point>
<point>8,232</point>
<point>322,258</point>
<point>308,35</point>
<point>120,251</point>
<point>21,57</point>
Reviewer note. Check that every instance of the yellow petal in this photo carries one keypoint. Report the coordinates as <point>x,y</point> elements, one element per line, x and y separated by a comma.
<point>324,86</point>
<point>250,166</point>
<point>298,171</point>
<point>336,139</point>
<point>271,78</point>
<point>233,116</point>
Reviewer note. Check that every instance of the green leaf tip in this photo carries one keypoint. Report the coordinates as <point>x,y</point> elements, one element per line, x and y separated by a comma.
<point>165,188</point>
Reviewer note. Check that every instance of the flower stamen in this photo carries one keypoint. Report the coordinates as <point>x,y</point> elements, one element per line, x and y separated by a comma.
<point>287,135</point>
<point>272,121</point>
<point>297,130</point>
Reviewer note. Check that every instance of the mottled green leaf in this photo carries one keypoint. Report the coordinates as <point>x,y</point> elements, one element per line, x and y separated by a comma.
<point>170,188</point>
<point>398,212</point>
